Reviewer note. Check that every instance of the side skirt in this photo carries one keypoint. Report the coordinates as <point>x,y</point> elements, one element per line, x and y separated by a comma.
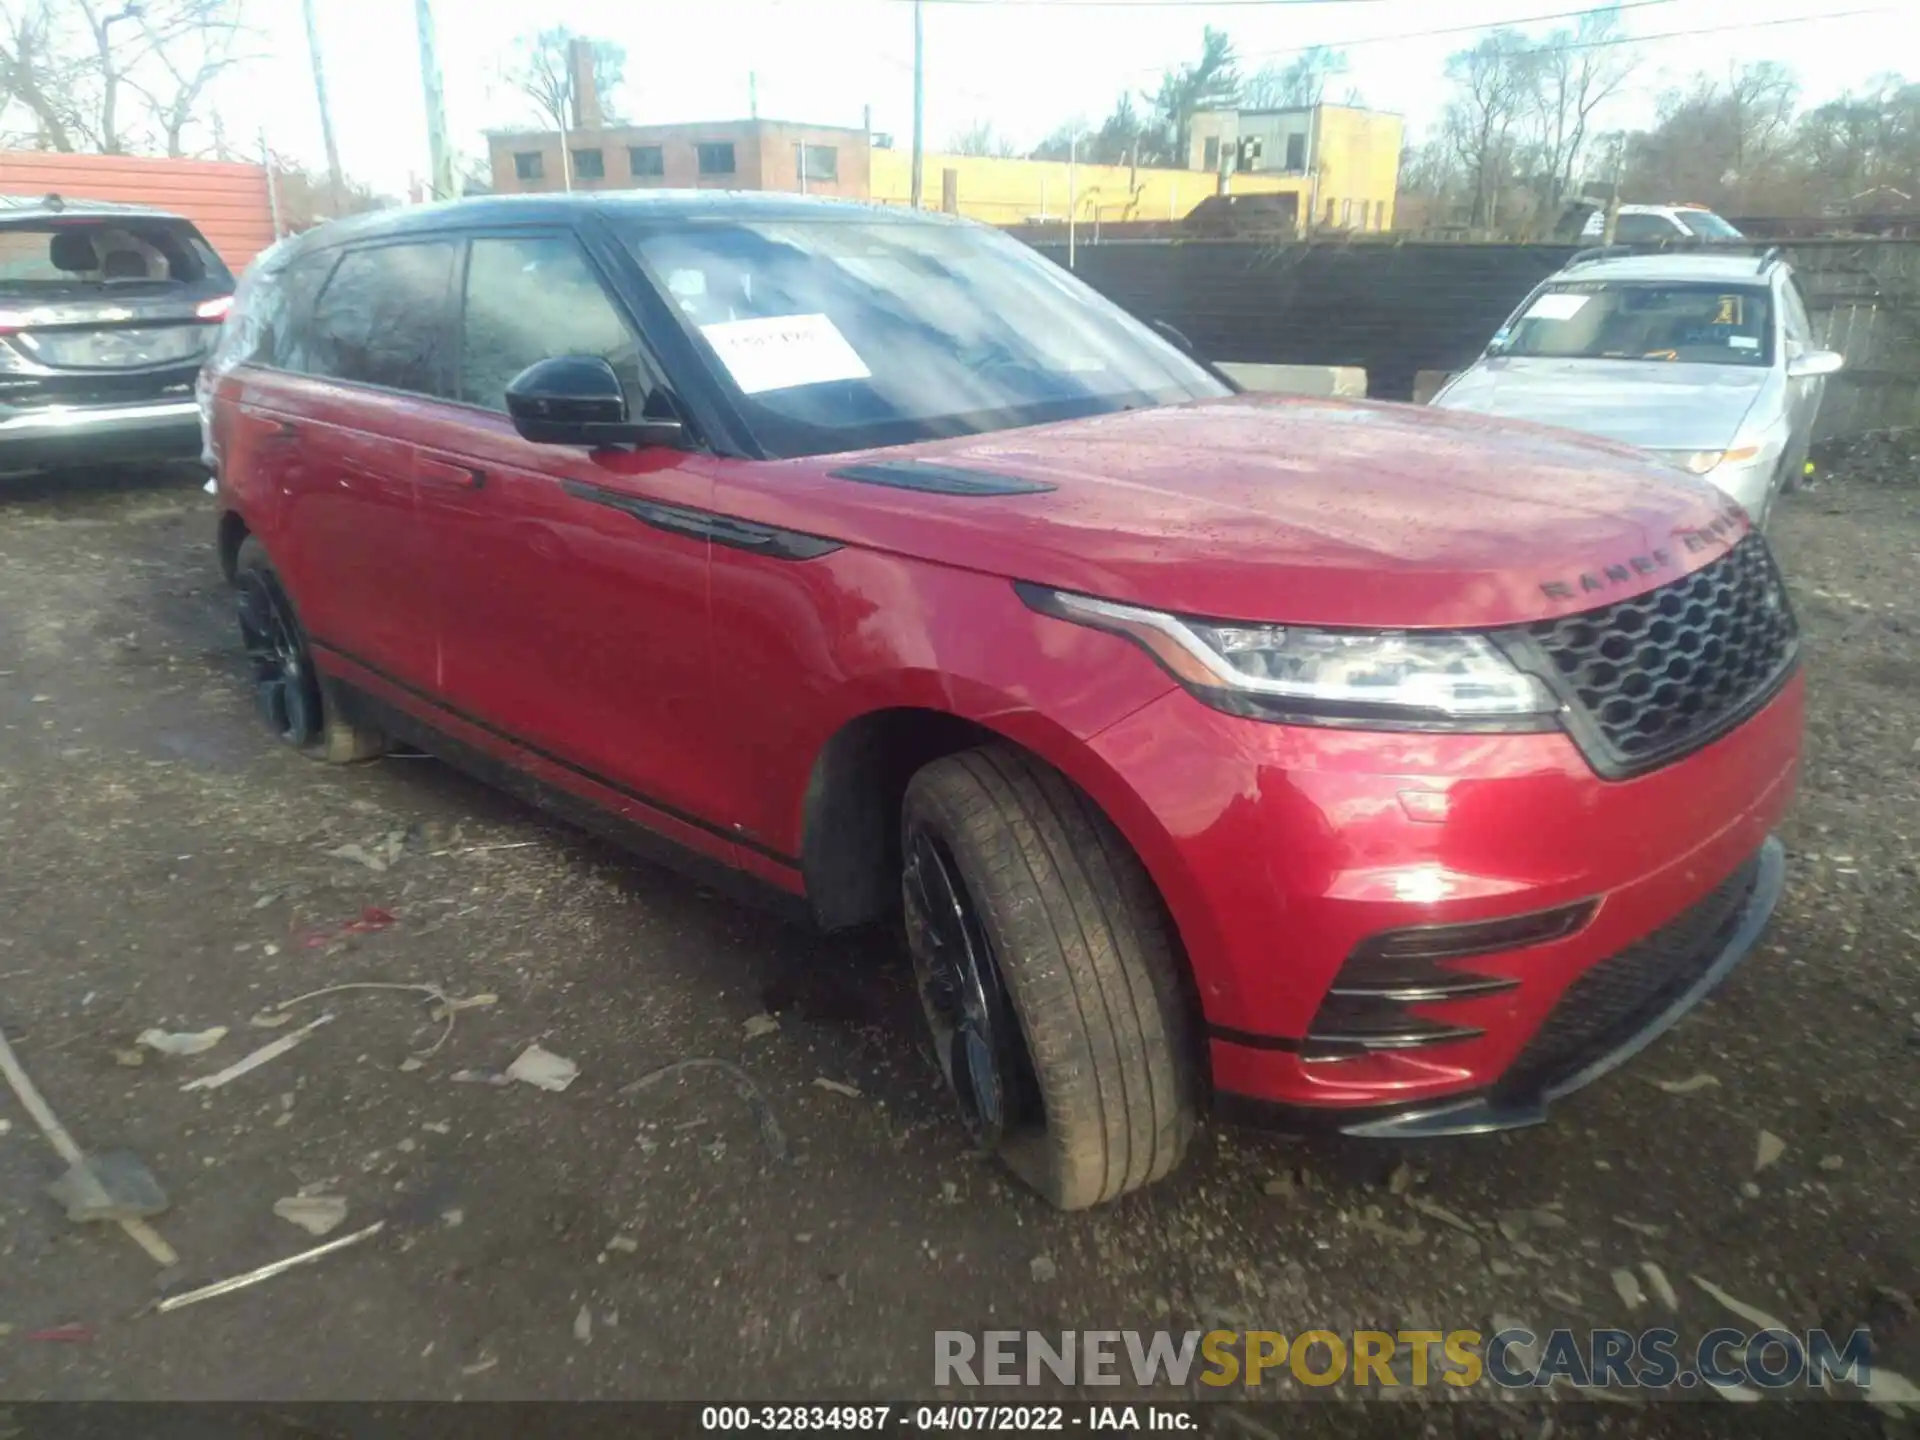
<point>365,709</point>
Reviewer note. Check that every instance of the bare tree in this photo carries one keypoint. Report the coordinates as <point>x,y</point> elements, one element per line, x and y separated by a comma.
<point>542,71</point>
<point>1493,85</point>
<point>33,72</point>
<point>1303,80</point>
<point>191,42</point>
<point>70,63</point>
<point>1575,73</point>
<point>1211,82</point>
<point>980,138</point>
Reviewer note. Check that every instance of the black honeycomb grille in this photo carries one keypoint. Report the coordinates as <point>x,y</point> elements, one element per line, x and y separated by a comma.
<point>1652,678</point>
<point>1623,994</point>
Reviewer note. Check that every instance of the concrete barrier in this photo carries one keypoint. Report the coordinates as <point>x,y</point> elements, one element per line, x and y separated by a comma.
<point>1343,380</point>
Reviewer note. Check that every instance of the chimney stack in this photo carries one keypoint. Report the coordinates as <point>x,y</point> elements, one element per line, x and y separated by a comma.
<point>586,95</point>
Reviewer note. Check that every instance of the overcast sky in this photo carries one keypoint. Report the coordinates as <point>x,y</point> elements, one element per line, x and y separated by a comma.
<point>1026,65</point>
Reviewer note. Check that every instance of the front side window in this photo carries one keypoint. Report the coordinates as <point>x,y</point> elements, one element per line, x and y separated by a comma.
<point>589,165</point>
<point>1707,225</point>
<point>380,319</point>
<point>529,165</point>
<point>1793,314</point>
<point>715,158</point>
<point>1643,229</point>
<point>835,335</point>
<point>530,298</point>
<point>1693,323</point>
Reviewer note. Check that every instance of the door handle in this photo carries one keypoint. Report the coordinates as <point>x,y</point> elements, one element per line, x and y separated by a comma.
<point>447,473</point>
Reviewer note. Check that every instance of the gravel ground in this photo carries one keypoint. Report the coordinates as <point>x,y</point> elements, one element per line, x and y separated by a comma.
<point>169,866</point>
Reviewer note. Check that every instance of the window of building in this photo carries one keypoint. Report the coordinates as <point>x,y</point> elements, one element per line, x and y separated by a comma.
<point>1210,154</point>
<point>646,160</point>
<point>1296,152</point>
<point>529,165</point>
<point>529,299</point>
<point>817,162</point>
<point>716,157</point>
<point>379,319</point>
<point>589,165</point>
<point>1346,214</point>
<point>1329,220</point>
<point>1379,214</point>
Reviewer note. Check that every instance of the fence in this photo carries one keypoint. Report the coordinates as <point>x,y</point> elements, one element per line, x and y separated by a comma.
<point>1397,309</point>
<point>230,203</point>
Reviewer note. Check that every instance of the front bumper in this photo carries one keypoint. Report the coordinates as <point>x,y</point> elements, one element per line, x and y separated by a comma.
<point>100,434</point>
<point>1504,1108</point>
<point>1282,851</point>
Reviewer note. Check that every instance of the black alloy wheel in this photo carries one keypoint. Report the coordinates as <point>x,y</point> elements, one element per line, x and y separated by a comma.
<point>975,1033</point>
<point>284,686</point>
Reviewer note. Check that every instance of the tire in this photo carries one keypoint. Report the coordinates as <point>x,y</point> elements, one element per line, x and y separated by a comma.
<point>1086,1016</point>
<point>286,684</point>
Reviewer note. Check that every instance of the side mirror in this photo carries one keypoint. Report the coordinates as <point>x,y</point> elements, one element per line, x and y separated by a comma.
<point>577,400</point>
<point>1810,364</point>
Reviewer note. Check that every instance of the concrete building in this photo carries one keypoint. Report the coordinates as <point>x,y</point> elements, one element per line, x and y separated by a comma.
<point>1348,158</point>
<point>723,155</point>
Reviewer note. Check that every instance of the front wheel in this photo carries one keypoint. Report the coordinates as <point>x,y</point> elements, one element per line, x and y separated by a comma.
<point>1049,975</point>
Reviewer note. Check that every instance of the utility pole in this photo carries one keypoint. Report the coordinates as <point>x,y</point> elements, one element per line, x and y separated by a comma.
<point>334,181</point>
<point>919,98</point>
<point>439,155</point>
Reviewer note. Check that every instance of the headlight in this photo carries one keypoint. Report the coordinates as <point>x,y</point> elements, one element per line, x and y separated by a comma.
<point>1703,462</point>
<point>1301,675</point>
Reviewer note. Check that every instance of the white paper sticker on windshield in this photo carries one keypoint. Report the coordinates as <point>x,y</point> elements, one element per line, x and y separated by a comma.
<point>1744,342</point>
<point>782,351</point>
<point>1556,307</point>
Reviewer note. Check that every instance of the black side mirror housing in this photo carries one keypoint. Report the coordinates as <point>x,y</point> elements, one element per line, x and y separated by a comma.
<point>577,400</point>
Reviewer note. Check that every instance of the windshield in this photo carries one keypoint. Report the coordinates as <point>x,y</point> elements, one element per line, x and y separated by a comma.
<point>60,257</point>
<point>844,334</point>
<point>1693,324</point>
<point>1707,225</point>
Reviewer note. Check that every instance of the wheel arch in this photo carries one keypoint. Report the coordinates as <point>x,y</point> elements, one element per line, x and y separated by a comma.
<point>850,828</point>
<point>231,534</point>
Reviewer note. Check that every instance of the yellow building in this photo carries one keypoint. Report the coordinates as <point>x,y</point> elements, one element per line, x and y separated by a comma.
<point>1016,192</point>
<point>1347,158</point>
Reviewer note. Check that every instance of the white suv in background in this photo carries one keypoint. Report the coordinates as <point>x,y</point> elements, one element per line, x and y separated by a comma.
<point>1639,224</point>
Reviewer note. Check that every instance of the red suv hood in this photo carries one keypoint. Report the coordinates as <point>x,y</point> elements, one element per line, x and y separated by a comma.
<point>1286,509</point>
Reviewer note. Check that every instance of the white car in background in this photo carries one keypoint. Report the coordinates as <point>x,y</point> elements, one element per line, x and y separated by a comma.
<point>1644,224</point>
<point>1707,360</point>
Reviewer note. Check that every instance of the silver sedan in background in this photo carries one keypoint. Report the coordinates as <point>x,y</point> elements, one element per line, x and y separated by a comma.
<point>1707,360</point>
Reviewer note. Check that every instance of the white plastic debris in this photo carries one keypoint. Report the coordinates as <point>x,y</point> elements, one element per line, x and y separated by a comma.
<point>1770,1149</point>
<point>1661,1286</point>
<point>758,1025</point>
<point>583,1326</point>
<point>1627,1286</point>
<point>1688,1085</point>
<point>315,1214</point>
<point>837,1087</point>
<point>541,1068</point>
<point>182,1042</point>
<point>271,1051</point>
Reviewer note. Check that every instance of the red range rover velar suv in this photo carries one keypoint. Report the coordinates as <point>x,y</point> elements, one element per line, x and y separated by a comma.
<point>1396,768</point>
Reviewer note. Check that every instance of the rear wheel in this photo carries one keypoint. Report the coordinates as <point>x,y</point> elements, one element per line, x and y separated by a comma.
<point>1049,976</point>
<point>286,686</point>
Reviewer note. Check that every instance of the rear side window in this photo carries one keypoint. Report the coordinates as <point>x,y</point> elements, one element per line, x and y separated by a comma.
<point>529,298</point>
<point>381,318</point>
<point>1638,229</point>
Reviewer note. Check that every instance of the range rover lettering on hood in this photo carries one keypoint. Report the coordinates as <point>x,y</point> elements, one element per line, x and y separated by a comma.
<point>1722,530</point>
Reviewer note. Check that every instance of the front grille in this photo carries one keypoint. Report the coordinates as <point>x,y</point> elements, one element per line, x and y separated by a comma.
<point>1616,999</point>
<point>1652,678</point>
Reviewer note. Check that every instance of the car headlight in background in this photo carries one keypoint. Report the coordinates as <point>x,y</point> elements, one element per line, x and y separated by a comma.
<point>1704,462</point>
<point>1293,673</point>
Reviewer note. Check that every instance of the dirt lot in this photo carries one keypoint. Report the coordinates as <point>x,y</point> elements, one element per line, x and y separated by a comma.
<point>168,865</point>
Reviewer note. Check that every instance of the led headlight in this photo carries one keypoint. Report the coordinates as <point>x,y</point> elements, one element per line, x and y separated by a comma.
<point>1299,674</point>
